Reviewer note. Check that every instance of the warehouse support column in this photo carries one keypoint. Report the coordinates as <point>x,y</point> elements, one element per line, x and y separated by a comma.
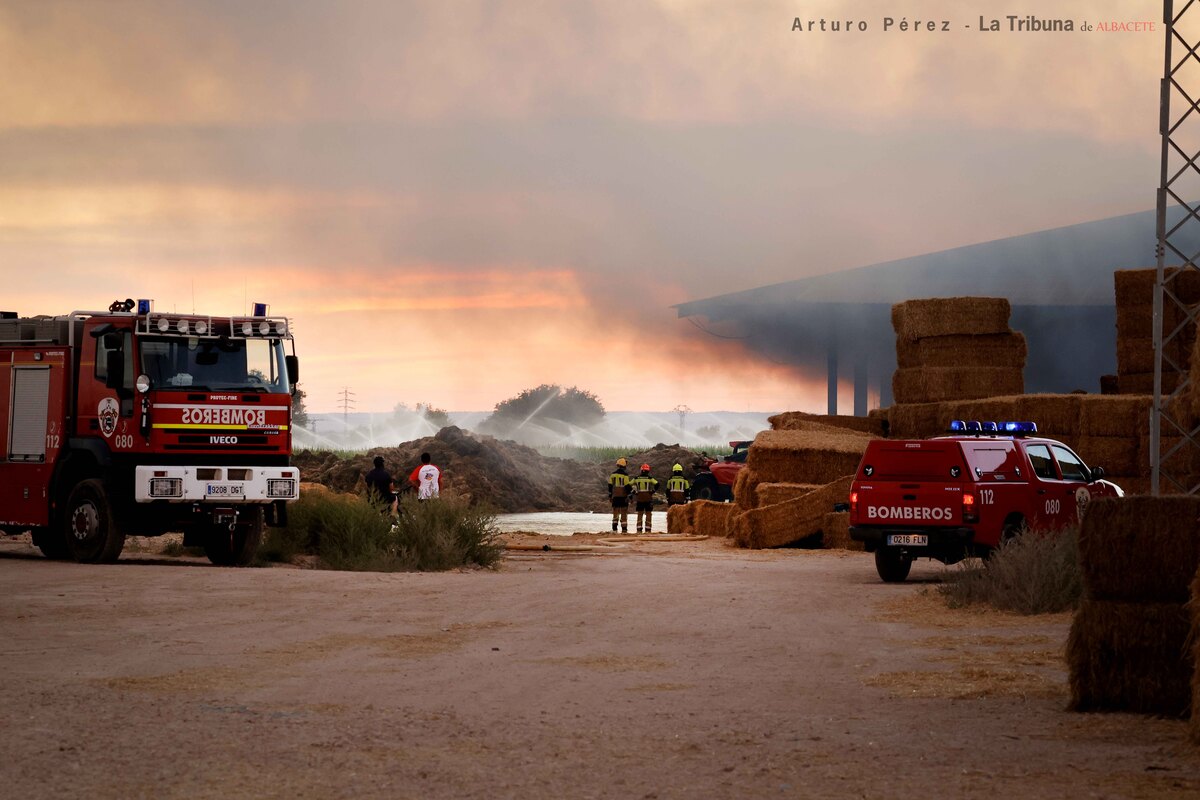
<point>860,382</point>
<point>833,373</point>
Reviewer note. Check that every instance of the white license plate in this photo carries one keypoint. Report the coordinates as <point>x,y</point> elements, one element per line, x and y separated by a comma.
<point>908,539</point>
<point>226,490</point>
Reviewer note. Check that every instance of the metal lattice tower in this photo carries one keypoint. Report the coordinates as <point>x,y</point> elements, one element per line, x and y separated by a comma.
<point>1174,442</point>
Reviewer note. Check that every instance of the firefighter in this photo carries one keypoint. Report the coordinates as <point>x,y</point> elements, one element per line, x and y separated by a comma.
<point>678,487</point>
<point>643,489</point>
<point>618,493</point>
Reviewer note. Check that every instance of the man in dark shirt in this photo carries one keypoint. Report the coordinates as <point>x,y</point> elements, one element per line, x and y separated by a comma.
<point>380,486</point>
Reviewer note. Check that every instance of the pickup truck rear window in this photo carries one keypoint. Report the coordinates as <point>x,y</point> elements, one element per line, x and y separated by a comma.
<point>994,458</point>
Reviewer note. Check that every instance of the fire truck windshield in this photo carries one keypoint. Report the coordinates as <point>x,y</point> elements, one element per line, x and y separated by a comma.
<point>254,365</point>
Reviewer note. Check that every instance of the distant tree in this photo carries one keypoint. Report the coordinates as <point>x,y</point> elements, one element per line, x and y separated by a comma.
<point>709,433</point>
<point>299,412</point>
<point>547,406</point>
<point>435,416</point>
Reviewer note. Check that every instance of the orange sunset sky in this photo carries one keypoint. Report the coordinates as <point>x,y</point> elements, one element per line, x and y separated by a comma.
<point>455,201</point>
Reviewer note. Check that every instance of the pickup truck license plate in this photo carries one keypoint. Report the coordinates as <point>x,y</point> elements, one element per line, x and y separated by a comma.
<point>908,539</point>
<point>226,490</point>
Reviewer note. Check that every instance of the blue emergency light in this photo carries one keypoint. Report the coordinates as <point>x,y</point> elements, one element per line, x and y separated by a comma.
<point>974,426</point>
<point>144,306</point>
<point>1020,427</point>
<point>260,310</point>
<point>990,427</point>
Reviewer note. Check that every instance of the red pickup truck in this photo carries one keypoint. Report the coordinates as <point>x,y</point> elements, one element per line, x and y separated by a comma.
<point>962,495</point>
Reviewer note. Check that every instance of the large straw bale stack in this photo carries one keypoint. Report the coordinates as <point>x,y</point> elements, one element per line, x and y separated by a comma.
<point>956,316</point>
<point>784,523</point>
<point>743,487</point>
<point>1136,286</point>
<point>768,494</point>
<point>986,350</point>
<point>1119,455</point>
<point>1143,382</point>
<point>679,518</point>
<point>1114,415</point>
<point>1195,610</point>
<point>800,421</point>
<point>1132,485</point>
<point>711,518</point>
<point>936,384</point>
<point>1131,657</point>
<point>835,527</point>
<point>918,420</point>
<point>806,456</point>
<point>1140,549</point>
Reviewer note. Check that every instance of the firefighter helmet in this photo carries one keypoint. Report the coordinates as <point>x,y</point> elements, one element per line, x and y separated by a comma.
<point>621,462</point>
<point>645,467</point>
<point>677,468</point>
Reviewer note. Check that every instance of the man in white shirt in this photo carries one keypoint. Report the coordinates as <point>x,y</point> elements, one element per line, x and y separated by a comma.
<point>426,479</point>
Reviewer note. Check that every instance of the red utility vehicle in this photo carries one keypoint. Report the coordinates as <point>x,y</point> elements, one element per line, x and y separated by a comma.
<point>960,495</point>
<point>117,422</point>
<point>715,480</point>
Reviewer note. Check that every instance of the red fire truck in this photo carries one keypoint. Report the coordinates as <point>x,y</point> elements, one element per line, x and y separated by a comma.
<point>965,494</point>
<point>136,422</point>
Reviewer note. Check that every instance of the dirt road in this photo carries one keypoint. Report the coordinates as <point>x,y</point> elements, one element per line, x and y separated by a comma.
<point>669,671</point>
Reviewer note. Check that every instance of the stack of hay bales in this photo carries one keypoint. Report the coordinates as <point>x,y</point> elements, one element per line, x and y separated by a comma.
<point>1129,644</point>
<point>803,421</point>
<point>709,518</point>
<point>1135,327</point>
<point>792,520</point>
<point>956,348</point>
<point>681,518</point>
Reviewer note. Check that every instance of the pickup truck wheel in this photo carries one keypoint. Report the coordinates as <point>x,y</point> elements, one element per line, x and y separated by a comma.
<point>237,547</point>
<point>91,533</point>
<point>891,566</point>
<point>704,487</point>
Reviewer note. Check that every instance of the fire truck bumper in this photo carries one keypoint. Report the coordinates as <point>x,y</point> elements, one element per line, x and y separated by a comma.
<point>938,541</point>
<point>216,484</point>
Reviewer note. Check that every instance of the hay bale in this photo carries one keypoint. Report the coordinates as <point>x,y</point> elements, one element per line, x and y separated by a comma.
<point>1130,484</point>
<point>1194,604</point>
<point>836,529</point>
<point>937,384</point>
<point>768,494</point>
<point>1135,287</point>
<point>1135,355</point>
<point>806,456</point>
<point>711,518</point>
<point>1108,384</point>
<point>1140,549</point>
<point>1130,657</point>
<point>1143,382</point>
<point>1135,321</point>
<point>743,488</point>
<point>784,523</point>
<point>679,518</point>
<point>953,316</point>
<point>800,421</point>
<point>1119,455</point>
<point>918,420</point>
<point>1114,415</point>
<point>985,350</point>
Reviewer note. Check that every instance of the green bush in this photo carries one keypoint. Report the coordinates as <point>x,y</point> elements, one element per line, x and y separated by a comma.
<point>1033,573</point>
<point>348,533</point>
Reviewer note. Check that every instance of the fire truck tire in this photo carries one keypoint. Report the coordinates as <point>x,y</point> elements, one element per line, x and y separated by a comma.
<point>92,534</point>
<point>237,547</point>
<point>704,487</point>
<point>891,565</point>
<point>52,543</point>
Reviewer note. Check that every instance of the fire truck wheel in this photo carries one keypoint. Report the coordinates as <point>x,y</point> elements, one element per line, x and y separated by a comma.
<point>891,566</point>
<point>92,534</point>
<point>704,488</point>
<point>51,542</point>
<point>237,547</point>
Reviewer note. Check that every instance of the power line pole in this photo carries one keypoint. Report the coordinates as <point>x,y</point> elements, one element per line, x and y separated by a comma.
<point>1173,440</point>
<point>347,404</point>
<point>682,411</point>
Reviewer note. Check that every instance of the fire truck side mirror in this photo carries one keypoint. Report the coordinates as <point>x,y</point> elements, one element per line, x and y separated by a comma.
<point>293,370</point>
<point>114,363</point>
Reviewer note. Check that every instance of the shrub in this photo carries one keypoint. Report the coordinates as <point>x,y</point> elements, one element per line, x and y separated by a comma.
<point>348,533</point>
<point>1034,573</point>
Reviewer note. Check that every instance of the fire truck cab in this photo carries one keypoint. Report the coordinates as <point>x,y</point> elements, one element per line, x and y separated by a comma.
<point>135,422</point>
<point>963,495</point>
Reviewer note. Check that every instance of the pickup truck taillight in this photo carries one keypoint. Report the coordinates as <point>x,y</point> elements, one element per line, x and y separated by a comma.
<point>970,512</point>
<point>854,505</point>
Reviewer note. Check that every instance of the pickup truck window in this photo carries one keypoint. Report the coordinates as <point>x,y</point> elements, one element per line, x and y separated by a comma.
<point>1043,464</point>
<point>931,462</point>
<point>1072,468</point>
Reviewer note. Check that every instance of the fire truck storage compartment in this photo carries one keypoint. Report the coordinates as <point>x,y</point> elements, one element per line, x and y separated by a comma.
<point>29,409</point>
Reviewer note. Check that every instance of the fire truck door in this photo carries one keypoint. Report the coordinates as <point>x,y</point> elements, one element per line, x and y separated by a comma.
<point>1054,498</point>
<point>29,446</point>
<point>1075,479</point>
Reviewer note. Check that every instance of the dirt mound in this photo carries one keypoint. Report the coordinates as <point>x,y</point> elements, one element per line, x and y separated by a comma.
<point>661,458</point>
<point>508,476</point>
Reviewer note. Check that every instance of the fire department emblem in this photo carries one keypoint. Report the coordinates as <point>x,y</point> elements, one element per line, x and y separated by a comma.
<point>108,413</point>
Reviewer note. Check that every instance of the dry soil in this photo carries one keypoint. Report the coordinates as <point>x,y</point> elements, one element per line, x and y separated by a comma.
<point>658,671</point>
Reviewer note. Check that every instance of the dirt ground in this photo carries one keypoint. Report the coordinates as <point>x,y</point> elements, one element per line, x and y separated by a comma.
<point>657,671</point>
